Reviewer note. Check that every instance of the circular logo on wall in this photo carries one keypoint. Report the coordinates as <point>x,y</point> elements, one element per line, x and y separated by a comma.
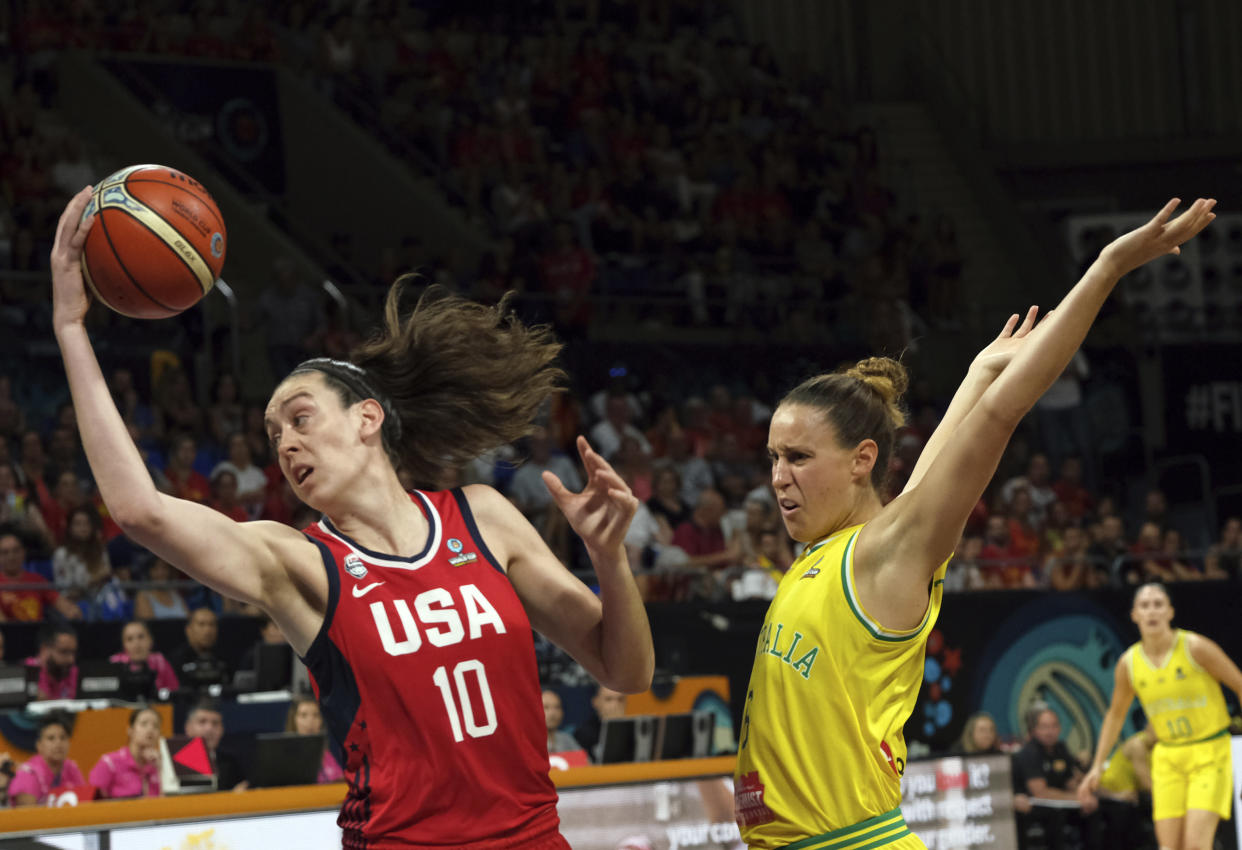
<point>355,567</point>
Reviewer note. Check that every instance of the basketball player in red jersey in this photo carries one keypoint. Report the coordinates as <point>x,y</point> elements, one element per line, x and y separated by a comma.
<point>412,610</point>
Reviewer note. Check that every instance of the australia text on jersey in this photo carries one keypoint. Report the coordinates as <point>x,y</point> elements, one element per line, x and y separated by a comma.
<point>802,663</point>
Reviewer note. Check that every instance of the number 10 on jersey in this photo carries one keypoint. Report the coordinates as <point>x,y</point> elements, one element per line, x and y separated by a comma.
<point>460,709</point>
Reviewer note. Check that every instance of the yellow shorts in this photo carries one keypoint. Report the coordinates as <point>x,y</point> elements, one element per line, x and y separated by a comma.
<point>887,831</point>
<point>1192,776</point>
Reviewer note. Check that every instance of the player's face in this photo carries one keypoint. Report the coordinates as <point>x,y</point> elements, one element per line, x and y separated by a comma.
<point>1152,611</point>
<point>137,642</point>
<point>315,438</point>
<point>811,472</point>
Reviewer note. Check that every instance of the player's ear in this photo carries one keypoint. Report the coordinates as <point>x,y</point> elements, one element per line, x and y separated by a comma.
<point>371,417</point>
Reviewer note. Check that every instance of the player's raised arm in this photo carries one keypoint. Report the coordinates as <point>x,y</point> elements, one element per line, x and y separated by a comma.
<point>242,562</point>
<point>917,532</point>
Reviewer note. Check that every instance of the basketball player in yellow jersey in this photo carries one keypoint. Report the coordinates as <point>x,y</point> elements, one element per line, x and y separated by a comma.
<point>1177,676</point>
<point>840,658</point>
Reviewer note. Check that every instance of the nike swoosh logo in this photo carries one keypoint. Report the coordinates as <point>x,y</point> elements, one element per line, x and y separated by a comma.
<point>363,591</point>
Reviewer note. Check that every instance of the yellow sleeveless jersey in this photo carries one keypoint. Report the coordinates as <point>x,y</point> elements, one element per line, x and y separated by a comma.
<point>1183,703</point>
<point>822,752</point>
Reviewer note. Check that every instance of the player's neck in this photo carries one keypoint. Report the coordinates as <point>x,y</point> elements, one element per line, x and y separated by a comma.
<point>384,519</point>
<point>1157,644</point>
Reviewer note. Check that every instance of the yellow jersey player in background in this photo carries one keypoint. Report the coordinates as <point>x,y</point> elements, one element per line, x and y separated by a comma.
<point>1176,676</point>
<point>840,658</point>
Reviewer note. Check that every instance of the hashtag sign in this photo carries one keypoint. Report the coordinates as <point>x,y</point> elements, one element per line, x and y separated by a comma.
<point>1198,407</point>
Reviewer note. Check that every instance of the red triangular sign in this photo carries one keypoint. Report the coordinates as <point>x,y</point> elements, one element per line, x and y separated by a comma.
<point>194,756</point>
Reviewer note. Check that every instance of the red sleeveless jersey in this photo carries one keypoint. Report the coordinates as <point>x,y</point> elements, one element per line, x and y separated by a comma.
<point>425,671</point>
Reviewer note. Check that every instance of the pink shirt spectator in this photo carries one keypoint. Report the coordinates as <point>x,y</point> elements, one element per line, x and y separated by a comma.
<point>165,676</point>
<point>330,771</point>
<point>118,775</point>
<point>66,688</point>
<point>35,777</point>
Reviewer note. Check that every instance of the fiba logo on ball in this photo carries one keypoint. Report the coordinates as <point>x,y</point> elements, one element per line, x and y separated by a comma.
<point>454,545</point>
<point>217,244</point>
<point>355,567</point>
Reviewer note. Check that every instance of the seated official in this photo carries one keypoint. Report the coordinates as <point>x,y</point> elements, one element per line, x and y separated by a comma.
<point>50,767</point>
<point>134,769</point>
<point>1044,769</point>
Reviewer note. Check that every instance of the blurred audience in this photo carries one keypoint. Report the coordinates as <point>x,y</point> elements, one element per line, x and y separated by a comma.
<point>134,769</point>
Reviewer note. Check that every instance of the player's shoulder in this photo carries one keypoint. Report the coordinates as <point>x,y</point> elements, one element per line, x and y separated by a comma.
<point>488,505</point>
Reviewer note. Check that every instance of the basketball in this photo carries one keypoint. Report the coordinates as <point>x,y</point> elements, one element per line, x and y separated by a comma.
<point>158,244</point>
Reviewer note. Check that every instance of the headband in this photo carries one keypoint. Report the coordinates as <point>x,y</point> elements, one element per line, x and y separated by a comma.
<point>356,379</point>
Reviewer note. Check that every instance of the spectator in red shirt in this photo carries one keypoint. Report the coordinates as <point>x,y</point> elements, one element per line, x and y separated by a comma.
<point>702,537</point>
<point>1069,489</point>
<point>186,482</point>
<point>224,496</point>
<point>1000,564</point>
<point>27,605</point>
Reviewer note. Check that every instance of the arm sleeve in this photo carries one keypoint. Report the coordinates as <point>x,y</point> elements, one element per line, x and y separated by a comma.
<point>101,775</point>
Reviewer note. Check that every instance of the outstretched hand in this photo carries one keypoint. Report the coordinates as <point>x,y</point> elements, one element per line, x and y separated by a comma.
<point>601,513</point>
<point>996,355</point>
<point>69,297</point>
<point>1159,236</point>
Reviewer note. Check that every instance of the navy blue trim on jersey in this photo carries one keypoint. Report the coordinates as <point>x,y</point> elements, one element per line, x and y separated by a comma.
<point>463,505</point>
<point>339,698</point>
<point>433,526</point>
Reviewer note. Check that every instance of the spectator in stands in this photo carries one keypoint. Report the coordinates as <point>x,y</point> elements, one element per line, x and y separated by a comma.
<point>702,537</point>
<point>1045,769</point>
<point>138,655</point>
<point>979,735</point>
<point>1173,550</point>
<point>57,662</point>
<point>1224,557</point>
<point>559,741</point>
<point>206,721</point>
<point>965,571</point>
<point>27,605</point>
<point>19,509</point>
<point>1025,526</point>
<point>160,602</point>
<point>134,769</point>
<point>50,767</point>
<point>195,662</point>
<point>1072,568</point>
<point>224,495</point>
<point>251,482</point>
<point>1064,426</point>
<point>269,635</point>
<point>1037,485</point>
<point>528,492</point>
<point>1111,550</point>
<point>81,563</point>
<point>186,482</point>
<point>305,718</point>
<point>607,704</point>
<point>1156,508</point>
<point>1148,551</point>
<point>607,434</point>
<point>1003,565</point>
<point>225,415</point>
<point>1070,491</point>
<point>666,499</point>
<point>175,406</point>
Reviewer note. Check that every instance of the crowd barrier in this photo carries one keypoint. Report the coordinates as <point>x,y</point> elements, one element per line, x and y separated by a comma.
<point>673,805</point>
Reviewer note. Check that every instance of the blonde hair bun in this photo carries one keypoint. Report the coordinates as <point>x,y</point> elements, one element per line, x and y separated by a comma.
<point>888,378</point>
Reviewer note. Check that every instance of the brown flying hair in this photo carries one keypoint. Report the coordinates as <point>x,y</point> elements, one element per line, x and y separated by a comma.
<point>462,377</point>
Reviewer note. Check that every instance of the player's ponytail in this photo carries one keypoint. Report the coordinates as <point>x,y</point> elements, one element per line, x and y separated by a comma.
<point>863,403</point>
<point>462,377</point>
